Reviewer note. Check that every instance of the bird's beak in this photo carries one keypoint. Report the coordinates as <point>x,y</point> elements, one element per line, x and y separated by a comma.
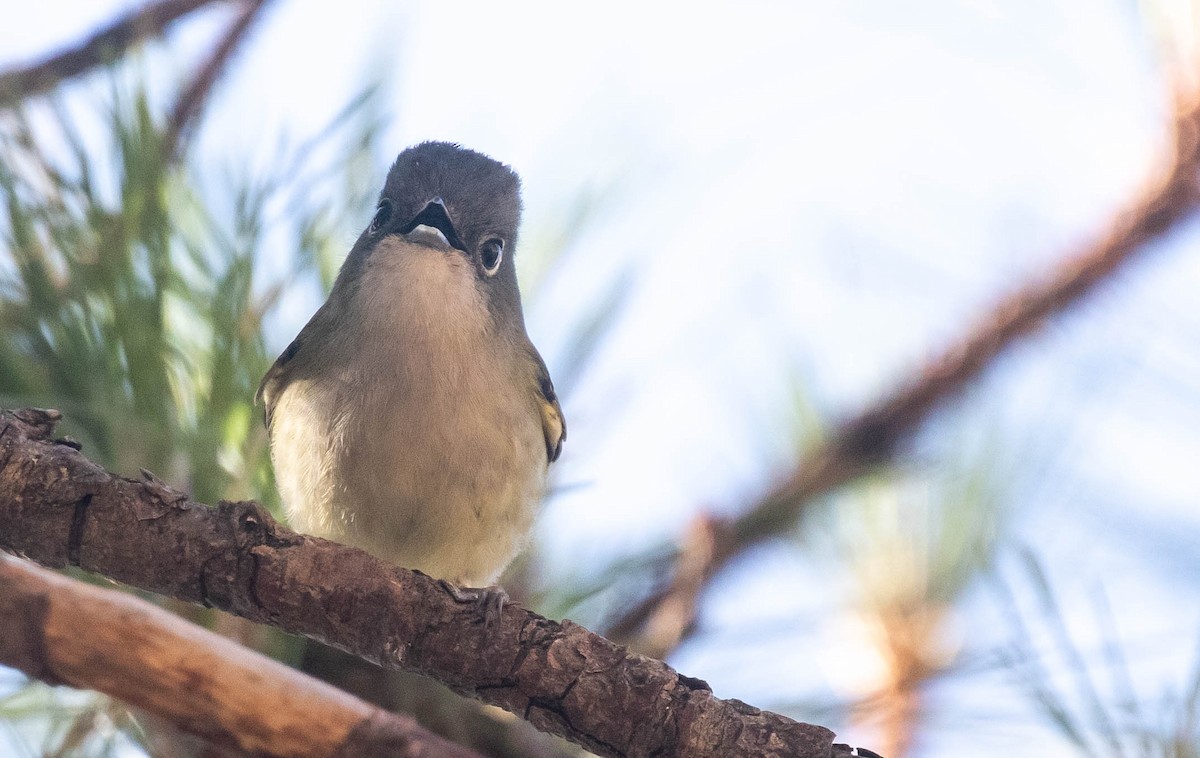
<point>434,216</point>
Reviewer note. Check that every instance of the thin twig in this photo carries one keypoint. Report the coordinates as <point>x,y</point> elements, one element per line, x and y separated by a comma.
<point>101,47</point>
<point>192,100</point>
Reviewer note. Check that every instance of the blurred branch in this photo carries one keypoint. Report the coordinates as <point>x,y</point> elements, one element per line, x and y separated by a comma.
<point>871,438</point>
<point>59,508</point>
<point>64,631</point>
<point>191,102</point>
<point>665,619</point>
<point>100,48</point>
<point>466,722</point>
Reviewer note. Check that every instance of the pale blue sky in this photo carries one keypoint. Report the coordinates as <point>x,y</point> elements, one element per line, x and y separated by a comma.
<point>812,192</point>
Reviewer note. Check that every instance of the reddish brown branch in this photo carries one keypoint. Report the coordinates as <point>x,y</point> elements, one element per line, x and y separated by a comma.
<point>191,102</point>
<point>662,621</point>
<point>103,46</point>
<point>874,435</point>
<point>59,508</point>
<point>66,632</point>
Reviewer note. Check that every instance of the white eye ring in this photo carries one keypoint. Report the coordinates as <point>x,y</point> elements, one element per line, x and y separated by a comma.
<point>491,253</point>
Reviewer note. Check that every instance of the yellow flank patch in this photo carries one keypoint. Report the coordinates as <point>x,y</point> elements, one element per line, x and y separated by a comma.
<point>552,427</point>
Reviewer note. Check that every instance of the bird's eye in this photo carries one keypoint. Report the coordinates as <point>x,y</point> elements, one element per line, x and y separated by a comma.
<point>491,252</point>
<point>382,214</point>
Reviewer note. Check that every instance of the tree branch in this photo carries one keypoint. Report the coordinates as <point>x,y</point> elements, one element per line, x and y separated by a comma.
<point>63,631</point>
<point>191,102</point>
<point>872,437</point>
<point>101,47</point>
<point>58,508</point>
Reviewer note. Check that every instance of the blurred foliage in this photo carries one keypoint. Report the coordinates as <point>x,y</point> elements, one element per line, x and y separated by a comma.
<point>913,542</point>
<point>1087,695</point>
<point>66,723</point>
<point>137,304</point>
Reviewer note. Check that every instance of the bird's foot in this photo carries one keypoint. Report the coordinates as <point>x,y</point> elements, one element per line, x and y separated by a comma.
<point>489,600</point>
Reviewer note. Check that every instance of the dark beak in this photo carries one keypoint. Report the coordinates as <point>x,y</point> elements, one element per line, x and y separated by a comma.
<point>434,214</point>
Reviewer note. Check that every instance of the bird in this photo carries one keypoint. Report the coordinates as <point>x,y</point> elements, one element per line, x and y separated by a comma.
<point>412,416</point>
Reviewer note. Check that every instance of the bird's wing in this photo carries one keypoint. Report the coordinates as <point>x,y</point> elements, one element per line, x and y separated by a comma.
<point>275,380</point>
<point>554,424</point>
<point>277,377</point>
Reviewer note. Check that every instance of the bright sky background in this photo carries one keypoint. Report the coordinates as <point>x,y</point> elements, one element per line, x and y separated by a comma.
<point>798,193</point>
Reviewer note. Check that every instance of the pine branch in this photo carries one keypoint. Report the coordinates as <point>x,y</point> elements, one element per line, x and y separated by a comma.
<point>63,631</point>
<point>101,47</point>
<point>188,108</point>
<point>658,623</point>
<point>59,508</point>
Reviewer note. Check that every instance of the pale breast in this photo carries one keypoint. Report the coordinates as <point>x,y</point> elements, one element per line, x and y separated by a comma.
<point>423,445</point>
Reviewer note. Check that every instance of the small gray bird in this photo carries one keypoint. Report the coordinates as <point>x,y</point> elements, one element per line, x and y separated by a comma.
<point>412,417</point>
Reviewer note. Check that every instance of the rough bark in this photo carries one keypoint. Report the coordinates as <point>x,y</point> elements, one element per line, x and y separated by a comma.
<point>59,508</point>
<point>63,631</point>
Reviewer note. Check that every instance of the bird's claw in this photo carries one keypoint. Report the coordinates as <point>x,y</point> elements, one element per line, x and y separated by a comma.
<point>489,600</point>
